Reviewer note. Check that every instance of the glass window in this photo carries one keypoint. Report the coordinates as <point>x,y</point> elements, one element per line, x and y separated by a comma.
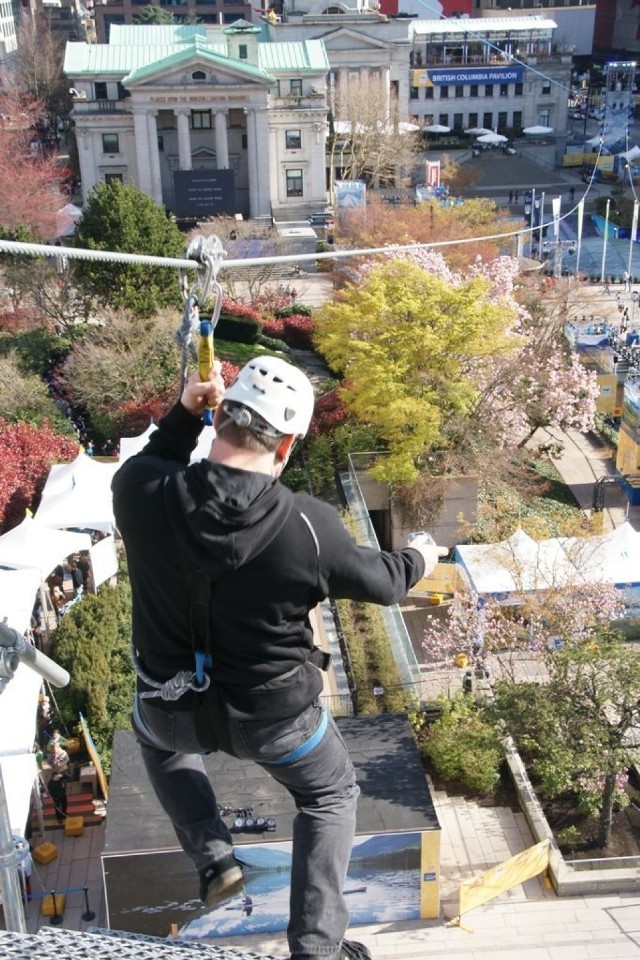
<point>459,91</point>
<point>473,90</point>
<point>517,118</point>
<point>473,120</point>
<point>502,121</point>
<point>488,90</point>
<point>487,121</point>
<point>443,119</point>
<point>296,88</point>
<point>413,93</point>
<point>198,75</point>
<point>457,121</point>
<point>504,89</point>
<point>444,93</point>
<point>546,86</point>
<point>242,51</point>
<point>294,183</point>
<point>201,120</point>
<point>110,143</point>
<point>293,139</point>
<point>519,89</point>
<point>111,177</point>
<point>428,93</point>
<point>101,90</point>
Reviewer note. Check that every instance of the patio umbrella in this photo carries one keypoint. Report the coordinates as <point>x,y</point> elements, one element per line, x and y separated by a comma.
<point>437,128</point>
<point>537,131</point>
<point>405,127</point>
<point>478,131</point>
<point>492,138</point>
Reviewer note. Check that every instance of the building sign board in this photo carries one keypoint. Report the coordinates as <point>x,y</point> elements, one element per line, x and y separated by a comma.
<point>200,193</point>
<point>445,75</point>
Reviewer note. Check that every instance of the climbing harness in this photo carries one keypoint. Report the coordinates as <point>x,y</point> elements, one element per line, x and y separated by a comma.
<point>209,255</point>
<point>171,689</point>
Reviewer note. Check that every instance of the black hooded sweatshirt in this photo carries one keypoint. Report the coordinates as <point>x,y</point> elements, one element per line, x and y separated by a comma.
<point>271,556</point>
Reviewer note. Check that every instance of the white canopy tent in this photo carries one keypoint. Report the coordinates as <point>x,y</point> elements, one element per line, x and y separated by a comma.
<point>521,564</point>
<point>32,544</point>
<point>129,446</point>
<point>18,592</point>
<point>78,494</point>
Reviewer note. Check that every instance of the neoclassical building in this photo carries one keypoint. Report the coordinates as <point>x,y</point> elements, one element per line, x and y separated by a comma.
<point>205,119</point>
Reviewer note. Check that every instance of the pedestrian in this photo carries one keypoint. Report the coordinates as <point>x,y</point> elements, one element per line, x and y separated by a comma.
<point>626,280</point>
<point>223,547</point>
<point>572,194</point>
<point>515,196</point>
<point>57,788</point>
<point>510,196</point>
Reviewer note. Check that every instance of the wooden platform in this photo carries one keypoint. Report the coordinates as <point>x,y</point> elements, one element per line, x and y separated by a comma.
<point>79,804</point>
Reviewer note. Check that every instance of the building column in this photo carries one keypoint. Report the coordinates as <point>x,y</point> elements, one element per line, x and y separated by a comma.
<point>252,158</point>
<point>154,157</point>
<point>263,202</point>
<point>184,139</point>
<point>87,160</point>
<point>222,140</point>
<point>141,134</point>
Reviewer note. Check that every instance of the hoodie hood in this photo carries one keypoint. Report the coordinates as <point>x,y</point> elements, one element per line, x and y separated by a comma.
<point>229,515</point>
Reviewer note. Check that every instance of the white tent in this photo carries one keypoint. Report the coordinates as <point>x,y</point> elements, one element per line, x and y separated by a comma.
<point>129,446</point>
<point>32,544</point>
<point>67,220</point>
<point>78,494</point>
<point>521,565</point>
<point>631,154</point>
<point>18,591</point>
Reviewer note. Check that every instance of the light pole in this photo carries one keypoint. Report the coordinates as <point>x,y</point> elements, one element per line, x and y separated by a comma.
<point>606,236</point>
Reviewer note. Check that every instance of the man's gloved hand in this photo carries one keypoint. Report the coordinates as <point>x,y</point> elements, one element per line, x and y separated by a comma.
<point>429,551</point>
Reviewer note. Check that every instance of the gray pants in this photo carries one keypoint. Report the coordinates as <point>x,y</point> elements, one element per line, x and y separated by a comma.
<point>321,781</point>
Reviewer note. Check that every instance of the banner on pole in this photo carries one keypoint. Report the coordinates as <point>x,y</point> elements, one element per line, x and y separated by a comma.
<point>555,206</point>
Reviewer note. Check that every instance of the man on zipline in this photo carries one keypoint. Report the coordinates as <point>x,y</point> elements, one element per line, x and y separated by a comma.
<point>221,555</point>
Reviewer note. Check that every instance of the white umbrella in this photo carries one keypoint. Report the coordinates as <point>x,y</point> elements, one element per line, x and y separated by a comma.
<point>437,128</point>
<point>537,131</point>
<point>405,127</point>
<point>492,138</point>
<point>478,131</point>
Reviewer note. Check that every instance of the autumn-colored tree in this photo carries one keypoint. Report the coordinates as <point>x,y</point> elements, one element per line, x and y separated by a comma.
<point>29,181</point>
<point>27,453</point>
<point>458,231</point>
<point>408,341</point>
<point>457,177</point>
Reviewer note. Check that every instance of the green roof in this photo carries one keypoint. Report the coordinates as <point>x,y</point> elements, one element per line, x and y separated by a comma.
<point>139,51</point>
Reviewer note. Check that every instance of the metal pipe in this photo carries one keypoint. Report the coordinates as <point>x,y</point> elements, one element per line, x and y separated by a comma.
<point>9,879</point>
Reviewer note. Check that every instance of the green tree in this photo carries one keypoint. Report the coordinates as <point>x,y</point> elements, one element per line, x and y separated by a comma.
<point>25,398</point>
<point>152,14</point>
<point>92,642</point>
<point>405,342</point>
<point>462,745</point>
<point>121,218</point>
<point>577,728</point>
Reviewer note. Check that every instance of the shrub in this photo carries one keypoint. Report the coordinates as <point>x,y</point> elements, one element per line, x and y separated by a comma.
<point>238,329</point>
<point>295,329</point>
<point>293,310</point>
<point>463,746</point>
<point>329,413</point>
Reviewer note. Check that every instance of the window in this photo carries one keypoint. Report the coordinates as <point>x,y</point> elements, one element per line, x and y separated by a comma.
<point>428,93</point>
<point>161,144</point>
<point>244,141</point>
<point>201,120</point>
<point>112,177</point>
<point>444,93</point>
<point>242,51</point>
<point>473,90</point>
<point>544,118</point>
<point>473,120</point>
<point>517,118</point>
<point>110,143</point>
<point>293,140</point>
<point>198,75</point>
<point>413,93</point>
<point>457,121</point>
<point>487,121</point>
<point>296,88</point>
<point>294,183</point>
<point>443,119</point>
<point>519,89</point>
<point>488,90</point>
<point>101,90</point>
<point>502,121</point>
<point>122,93</point>
<point>504,89</point>
<point>459,91</point>
<point>546,87</point>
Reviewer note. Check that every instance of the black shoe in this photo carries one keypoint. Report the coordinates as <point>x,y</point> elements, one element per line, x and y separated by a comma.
<point>219,881</point>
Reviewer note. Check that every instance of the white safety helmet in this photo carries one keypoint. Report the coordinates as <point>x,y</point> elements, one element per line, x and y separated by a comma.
<point>277,391</point>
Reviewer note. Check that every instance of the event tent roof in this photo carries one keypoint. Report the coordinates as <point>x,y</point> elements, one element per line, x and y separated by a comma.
<point>78,494</point>
<point>18,590</point>
<point>32,544</point>
<point>521,564</point>
<point>129,446</point>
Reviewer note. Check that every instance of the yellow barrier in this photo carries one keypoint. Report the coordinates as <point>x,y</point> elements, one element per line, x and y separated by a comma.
<point>504,876</point>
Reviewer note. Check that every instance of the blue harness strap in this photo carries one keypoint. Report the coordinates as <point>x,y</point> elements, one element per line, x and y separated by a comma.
<point>305,747</point>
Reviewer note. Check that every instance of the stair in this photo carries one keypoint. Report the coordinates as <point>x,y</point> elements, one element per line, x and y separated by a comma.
<point>78,805</point>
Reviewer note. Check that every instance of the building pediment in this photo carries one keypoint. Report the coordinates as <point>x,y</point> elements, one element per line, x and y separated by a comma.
<point>187,67</point>
<point>346,39</point>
